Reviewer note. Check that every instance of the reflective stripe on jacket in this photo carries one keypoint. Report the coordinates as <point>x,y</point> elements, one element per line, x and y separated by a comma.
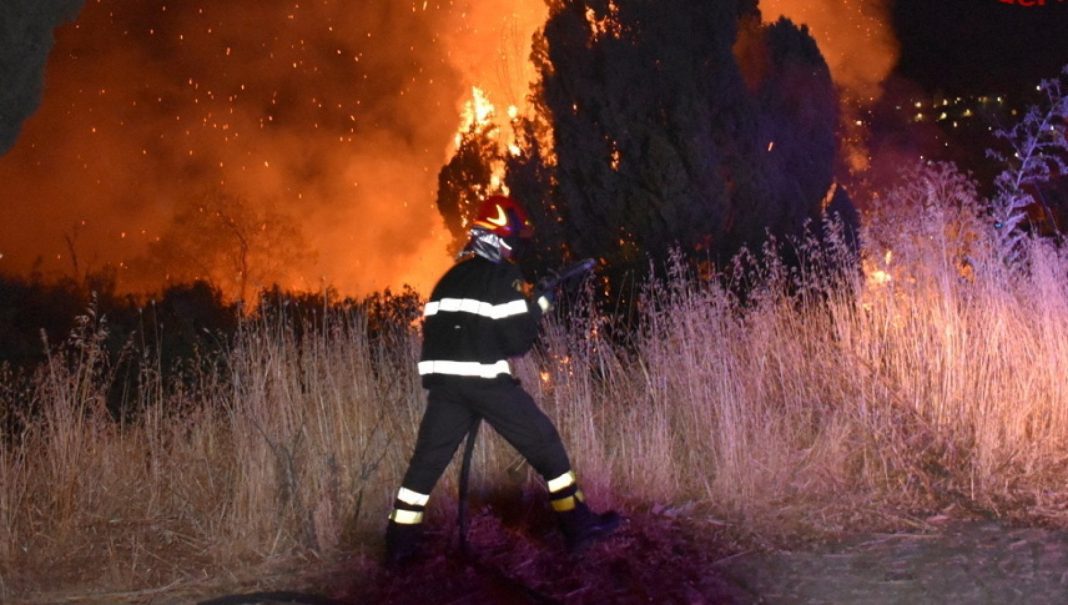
<point>477,317</point>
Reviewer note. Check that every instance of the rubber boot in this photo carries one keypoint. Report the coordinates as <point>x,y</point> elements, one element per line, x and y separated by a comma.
<point>402,543</point>
<point>582,527</point>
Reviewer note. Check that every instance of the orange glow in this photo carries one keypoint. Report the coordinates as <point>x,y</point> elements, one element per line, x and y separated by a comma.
<point>479,113</point>
<point>857,40</point>
<point>336,115</point>
<point>855,37</point>
<point>605,26</point>
<point>879,276</point>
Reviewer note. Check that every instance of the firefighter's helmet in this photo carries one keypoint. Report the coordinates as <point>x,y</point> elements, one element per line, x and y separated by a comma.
<point>498,228</point>
<point>503,217</point>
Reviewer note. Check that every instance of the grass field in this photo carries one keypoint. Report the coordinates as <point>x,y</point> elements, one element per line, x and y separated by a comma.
<point>935,378</point>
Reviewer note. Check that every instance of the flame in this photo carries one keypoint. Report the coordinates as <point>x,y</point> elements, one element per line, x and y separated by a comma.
<point>879,276</point>
<point>339,115</point>
<point>478,113</point>
<point>607,25</point>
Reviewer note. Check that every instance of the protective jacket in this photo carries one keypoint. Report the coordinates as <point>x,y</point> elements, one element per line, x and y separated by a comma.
<point>477,317</point>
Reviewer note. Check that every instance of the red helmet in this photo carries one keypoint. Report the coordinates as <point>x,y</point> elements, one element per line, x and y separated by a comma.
<point>504,217</point>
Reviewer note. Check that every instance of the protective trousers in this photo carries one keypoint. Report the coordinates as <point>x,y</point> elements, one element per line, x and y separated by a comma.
<point>451,410</point>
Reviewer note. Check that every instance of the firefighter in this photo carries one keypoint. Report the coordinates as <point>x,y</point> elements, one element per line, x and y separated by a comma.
<point>477,317</point>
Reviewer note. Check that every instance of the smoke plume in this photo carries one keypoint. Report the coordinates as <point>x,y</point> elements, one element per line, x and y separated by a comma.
<point>333,115</point>
<point>336,115</point>
<point>856,38</point>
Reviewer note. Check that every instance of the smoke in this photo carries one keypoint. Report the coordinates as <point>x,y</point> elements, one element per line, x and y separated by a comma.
<point>856,38</point>
<point>25,39</point>
<point>337,114</point>
<point>491,47</point>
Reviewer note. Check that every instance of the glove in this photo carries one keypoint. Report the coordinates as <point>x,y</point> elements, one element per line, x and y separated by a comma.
<point>545,293</point>
<point>545,300</point>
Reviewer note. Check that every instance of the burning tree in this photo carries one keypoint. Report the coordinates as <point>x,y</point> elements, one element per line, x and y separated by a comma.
<point>675,123</point>
<point>468,176</point>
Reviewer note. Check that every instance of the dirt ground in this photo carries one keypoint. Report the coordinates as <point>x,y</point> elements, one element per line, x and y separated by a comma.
<point>963,562</point>
<point>665,557</point>
<point>652,558</point>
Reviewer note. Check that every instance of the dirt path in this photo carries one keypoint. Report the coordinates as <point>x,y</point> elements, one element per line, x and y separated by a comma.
<point>659,560</point>
<point>974,562</point>
<point>667,560</point>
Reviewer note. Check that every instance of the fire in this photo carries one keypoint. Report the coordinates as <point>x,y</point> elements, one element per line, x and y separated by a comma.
<point>337,114</point>
<point>857,40</point>
<point>607,25</point>
<point>880,276</point>
<point>478,113</point>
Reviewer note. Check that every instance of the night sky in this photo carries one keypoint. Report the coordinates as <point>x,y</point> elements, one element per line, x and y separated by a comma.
<point>340,114</point>
<point>980,46</point>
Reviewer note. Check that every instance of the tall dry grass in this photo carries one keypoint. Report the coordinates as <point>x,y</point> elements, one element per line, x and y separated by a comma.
<point>825,400</point>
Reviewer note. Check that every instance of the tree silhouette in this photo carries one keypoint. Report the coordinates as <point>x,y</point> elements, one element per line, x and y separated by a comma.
<point>222,239</point>
<point>675,123</point>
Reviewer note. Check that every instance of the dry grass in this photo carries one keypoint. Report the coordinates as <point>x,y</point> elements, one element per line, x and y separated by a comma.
<point>945,384</point>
